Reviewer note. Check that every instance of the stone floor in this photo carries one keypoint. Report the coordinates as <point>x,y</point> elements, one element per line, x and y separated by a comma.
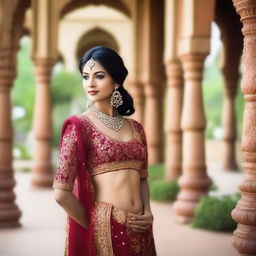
<point>42,230</point>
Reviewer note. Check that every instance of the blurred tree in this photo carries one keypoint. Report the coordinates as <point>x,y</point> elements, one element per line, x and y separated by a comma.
<point>23,94</point>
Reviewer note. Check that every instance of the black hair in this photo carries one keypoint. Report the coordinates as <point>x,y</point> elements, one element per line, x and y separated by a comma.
<point>114,65</point>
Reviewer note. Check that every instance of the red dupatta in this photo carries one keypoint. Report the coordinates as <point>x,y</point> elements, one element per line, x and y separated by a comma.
<point>80,241</point>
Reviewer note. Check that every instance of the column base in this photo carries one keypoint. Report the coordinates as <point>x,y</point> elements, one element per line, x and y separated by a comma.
<point>230,167</point>
<point>245,246</point>
<point>42,180</point>
<point>184,211</point>
<point>9,216</point>
<point>183,220</point>
<point>173,173</point>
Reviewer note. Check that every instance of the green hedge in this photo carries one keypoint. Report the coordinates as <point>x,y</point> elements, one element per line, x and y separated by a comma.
<point>162,190</point>
<point>214,213</point>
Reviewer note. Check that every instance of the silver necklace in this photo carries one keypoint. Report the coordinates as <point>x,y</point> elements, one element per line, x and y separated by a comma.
<point>113,122</point>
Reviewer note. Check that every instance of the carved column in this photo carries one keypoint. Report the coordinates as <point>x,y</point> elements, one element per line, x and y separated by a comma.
<point>174,94</point>
<point>42,124</point>
<point>45,16</point>
<point>9,212</point>
<point>153,121</point>
<point>194,46</point>
<point>229,126</point>
<point>245,212</point>
<point>135,84</point>
<point>230,27</point>
<point>194,181</point>
<point>153,76</point>
<point>137,93</point>
<point>173,155</point>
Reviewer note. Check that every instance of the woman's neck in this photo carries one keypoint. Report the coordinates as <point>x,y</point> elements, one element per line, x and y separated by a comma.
<point>106,109</point>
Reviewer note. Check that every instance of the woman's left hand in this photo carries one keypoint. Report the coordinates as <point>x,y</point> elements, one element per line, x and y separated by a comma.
<point>140,223</point>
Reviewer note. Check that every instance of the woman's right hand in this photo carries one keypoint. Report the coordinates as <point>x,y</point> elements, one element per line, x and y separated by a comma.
<point>139,222</point>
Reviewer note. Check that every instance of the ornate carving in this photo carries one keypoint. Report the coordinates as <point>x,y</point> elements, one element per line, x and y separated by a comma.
<point>10,32</point>
<point>245,212</point>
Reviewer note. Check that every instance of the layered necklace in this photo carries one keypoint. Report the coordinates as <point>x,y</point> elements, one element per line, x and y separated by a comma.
<point>113,122</point>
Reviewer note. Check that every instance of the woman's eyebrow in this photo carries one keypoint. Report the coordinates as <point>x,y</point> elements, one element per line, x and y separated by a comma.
<point>84,73</point>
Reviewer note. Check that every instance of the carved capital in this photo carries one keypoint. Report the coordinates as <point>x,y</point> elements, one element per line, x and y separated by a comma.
<point>174,73</point>
<point>43,68</point>
<point>193,65</point>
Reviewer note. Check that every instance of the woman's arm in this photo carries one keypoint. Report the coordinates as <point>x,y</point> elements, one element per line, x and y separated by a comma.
<point>145,195</point>
<point>72,206</point>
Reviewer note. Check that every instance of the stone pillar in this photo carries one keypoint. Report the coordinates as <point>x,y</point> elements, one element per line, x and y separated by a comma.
<point>152,75</point>
<point>229,127</point>
<point>230,27</point>
<point>9,212</point>
<point>244,214</point>
<point>194,46</point>
<point>194,181</point>
<point>174,94</point>
<point>42,124</point>
<point>173,154</point>
<point>153,121</point>
<point>11,20</point>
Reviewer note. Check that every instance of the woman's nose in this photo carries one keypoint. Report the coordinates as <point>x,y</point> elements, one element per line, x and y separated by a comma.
<point>91,82</point>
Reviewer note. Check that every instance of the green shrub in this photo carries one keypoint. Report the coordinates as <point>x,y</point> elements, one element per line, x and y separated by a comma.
<point>156,172</point>
<point>214,213</point>
<point>213,187</point>
<point>164,190</point>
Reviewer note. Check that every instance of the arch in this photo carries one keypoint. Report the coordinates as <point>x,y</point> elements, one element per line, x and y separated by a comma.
<point>94,37</point>
<point>76,4</point>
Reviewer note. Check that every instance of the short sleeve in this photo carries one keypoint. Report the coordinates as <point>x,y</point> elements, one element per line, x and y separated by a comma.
<point>67,167</point>
<point>144,169</point>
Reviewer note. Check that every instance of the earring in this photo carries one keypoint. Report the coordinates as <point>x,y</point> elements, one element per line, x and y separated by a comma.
<point>116,98</point>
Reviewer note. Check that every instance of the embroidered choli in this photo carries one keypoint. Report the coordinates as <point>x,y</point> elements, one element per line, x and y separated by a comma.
<point>103,153</point>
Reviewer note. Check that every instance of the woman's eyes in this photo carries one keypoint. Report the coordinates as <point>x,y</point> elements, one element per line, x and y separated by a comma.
<point>98,77</point>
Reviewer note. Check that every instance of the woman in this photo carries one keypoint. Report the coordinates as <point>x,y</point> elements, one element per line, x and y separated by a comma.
<point>101,178</point>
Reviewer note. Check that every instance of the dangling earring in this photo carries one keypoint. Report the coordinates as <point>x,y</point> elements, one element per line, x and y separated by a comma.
<point>116,98</point>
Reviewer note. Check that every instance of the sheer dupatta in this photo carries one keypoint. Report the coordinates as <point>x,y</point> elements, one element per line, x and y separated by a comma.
<point>80,241</point>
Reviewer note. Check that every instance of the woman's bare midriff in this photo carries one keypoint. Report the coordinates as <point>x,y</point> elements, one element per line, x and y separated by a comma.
<point>120,188</point>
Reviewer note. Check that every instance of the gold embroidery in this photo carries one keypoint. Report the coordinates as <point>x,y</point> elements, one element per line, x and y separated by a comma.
<point>144,174</point>
<point>66,169</point>
<point>67,239</point>
<point>119,215</point>
<point>114,166</point>
<point>62,185</point>
<point>103,238</point>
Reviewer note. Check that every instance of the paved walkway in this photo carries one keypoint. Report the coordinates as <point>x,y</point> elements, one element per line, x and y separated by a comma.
<point>43,225</point>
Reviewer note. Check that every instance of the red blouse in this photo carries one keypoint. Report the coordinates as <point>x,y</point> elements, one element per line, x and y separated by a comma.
<point>104,154</point>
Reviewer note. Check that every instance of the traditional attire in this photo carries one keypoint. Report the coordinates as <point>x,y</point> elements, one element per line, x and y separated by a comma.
<point>85,152</point>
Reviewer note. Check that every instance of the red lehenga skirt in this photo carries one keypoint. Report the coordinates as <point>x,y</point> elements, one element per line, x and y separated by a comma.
<point>112,236</point>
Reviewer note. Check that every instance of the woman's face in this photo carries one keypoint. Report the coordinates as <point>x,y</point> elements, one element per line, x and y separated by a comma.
<point>97,83</point>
